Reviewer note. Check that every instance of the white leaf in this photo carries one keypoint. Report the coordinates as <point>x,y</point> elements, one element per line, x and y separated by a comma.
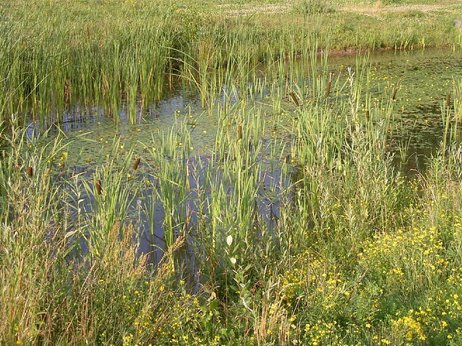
<point>229,240</point>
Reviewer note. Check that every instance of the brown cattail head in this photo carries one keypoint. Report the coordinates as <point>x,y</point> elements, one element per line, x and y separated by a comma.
<point>98,187</point>
<point>294,98</point>
<point>136,163</point>
<point>329,85</point>
<point>448,99</point>
<point>239,132</point>
<point>30,171</point>
<point>395,91</point>
<point>67,91</point>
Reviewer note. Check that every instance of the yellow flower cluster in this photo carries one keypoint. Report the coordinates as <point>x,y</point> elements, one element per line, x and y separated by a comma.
<point>411,328</point>
<point>322,333</point>
<point>405,259</point>
<point>313,275</point>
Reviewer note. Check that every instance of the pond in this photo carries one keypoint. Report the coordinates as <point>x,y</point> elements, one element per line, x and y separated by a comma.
<point>419,83</point>
<point>423,80</point>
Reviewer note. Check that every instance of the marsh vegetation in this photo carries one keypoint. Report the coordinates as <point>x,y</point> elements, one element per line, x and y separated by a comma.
<point>205,173</point>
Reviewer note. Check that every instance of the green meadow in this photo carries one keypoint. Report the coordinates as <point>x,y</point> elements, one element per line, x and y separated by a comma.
<point>206,172</point>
